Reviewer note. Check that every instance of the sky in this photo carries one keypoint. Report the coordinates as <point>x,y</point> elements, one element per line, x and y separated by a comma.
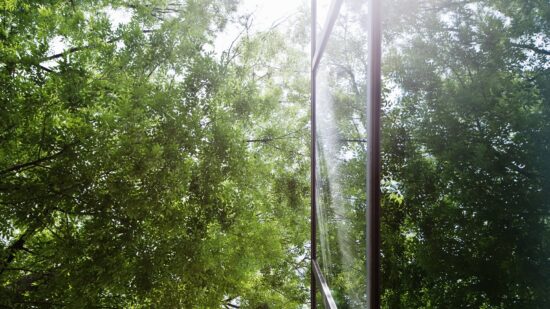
<point>266,13</point>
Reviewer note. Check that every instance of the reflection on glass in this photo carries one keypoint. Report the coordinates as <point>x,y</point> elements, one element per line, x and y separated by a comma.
<point>323,7</point>
<point>341,154</point>
<point>466,135</point>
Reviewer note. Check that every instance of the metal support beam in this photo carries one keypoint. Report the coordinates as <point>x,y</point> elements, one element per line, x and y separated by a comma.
<point>313,159</point>
<point>373,150</point>
<point>373,154</point>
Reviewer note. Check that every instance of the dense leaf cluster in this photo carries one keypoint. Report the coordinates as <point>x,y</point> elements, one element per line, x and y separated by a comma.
<point>126,178</point>
<point>140,169</point>
<point>466,152</point>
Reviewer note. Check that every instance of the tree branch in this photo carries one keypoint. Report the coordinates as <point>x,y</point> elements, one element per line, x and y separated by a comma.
<point>15,247</point>
<point>80,48</point>
<point>532,48</point>
<point>36,162</point>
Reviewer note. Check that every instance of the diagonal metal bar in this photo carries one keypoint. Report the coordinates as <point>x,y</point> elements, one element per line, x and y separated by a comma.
<point>333,12</point>
<point>373,154</point>
<point>325,291</point>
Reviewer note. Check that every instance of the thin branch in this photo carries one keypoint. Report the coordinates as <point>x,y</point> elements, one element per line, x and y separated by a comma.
<point>358,140</point>
<point>16,246</point>
<point>45,68</point>
<point>532,48</point>
<point>36,162</point>
<point>269,139</point>
<point>259,140</point>
<point>80,48</point>
<point>227,54</point>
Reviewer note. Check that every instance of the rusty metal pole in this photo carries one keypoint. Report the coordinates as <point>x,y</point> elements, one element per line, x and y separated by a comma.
<point>373,154</point>
<point>313,244</point>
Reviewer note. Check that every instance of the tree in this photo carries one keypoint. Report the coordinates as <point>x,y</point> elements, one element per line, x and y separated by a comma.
<point>465,152</point>
<point>126,175</point>
<point>470,146</point>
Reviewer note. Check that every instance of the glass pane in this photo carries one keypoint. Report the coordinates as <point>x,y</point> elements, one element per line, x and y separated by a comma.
<point>466,135</point>
<point>341,146</point>
<point>323,7</point>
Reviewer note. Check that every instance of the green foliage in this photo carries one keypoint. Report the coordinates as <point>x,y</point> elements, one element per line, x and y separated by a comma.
<point>138,169</point>
<point>466,144</point>
<point>126,178</point>
<point>465,221</point>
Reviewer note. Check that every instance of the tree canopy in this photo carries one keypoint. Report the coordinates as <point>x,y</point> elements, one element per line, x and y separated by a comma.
<point>127,177</point>
<point>465,152</point>
<point>141,167</point>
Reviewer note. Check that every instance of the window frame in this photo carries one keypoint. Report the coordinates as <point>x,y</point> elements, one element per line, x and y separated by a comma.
<point>373,151</point>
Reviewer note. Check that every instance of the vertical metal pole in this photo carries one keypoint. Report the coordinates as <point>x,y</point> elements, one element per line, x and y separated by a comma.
<point>373,155</point>
<point>313,287</point>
